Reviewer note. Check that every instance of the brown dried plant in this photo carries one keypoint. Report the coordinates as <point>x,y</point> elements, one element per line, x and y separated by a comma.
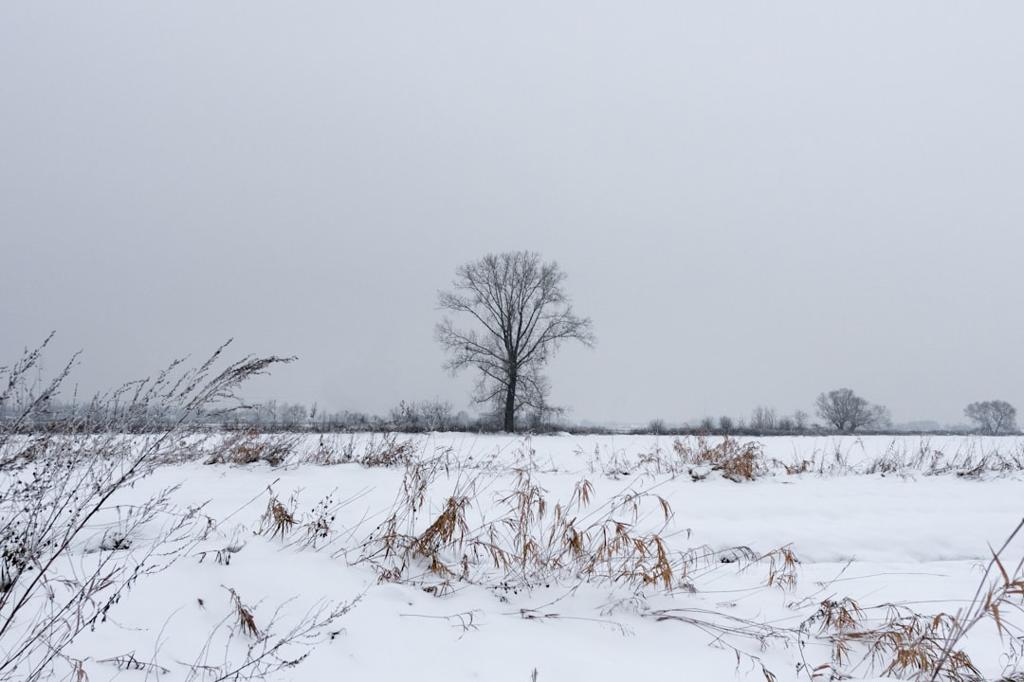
<point>837,620</point>
<point>277,520</point>
<point>782,567</point>
<point>735,460</point>
<point>250,447</point>
<point>246,621</point>
<point>997,589</point>
<point>449,528</point>
<point>902,643</point>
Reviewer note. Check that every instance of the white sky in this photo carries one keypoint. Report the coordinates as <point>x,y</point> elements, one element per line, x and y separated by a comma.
<point>754,201</point>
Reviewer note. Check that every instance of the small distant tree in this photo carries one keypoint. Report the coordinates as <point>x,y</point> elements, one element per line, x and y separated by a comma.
<point>543,417</point>
<point>437,415</point>
<point>428,415</point>
<point>763,419</point>
<point>656,426</point>
<point>726,424</point>
<point>993,417</point>
<point>847,411</point>
<point>802,420</point>
<point>462,421</point>
<point>519,315</point>
<point>266,414</point>
<point>404,417</point>
<point>293,416</point>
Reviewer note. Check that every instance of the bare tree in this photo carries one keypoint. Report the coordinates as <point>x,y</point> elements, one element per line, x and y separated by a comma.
<point>429,415</point>
<point>993,416</point>
<point>293,416</point>
<point>847,411</point>
<point>519,314</point>
<point>656,426</point>
<point>764,419</point>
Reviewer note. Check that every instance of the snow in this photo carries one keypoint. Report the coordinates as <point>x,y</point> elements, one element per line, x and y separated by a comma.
<point>906,536</point>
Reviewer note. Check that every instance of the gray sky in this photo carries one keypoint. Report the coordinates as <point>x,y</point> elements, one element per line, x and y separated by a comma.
<point>754,201</point>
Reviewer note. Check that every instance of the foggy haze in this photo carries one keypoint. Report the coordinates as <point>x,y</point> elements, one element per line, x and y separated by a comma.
<point>754,202</point>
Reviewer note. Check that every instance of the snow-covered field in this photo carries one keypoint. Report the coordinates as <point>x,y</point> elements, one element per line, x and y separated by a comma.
<point>898,525</point>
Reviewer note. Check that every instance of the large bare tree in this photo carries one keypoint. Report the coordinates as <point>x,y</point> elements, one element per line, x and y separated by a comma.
<point>519,314</point>
<point>847,411</point>
<point>993,417</point>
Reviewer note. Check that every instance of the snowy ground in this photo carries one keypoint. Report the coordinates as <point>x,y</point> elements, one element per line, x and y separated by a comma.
<point>879,520</point>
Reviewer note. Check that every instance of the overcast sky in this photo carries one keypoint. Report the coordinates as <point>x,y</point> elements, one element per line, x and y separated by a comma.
<point>754,201</point>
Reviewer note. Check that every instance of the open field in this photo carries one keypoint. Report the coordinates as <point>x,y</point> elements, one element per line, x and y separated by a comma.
<point>473,557</point>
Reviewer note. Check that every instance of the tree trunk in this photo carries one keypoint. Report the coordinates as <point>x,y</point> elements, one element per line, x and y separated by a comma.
<point>510,405</point>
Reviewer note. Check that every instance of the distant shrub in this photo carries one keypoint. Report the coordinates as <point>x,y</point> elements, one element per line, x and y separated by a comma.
<point>377,450</point>
<point>251,447</point>
<point>735,460</point>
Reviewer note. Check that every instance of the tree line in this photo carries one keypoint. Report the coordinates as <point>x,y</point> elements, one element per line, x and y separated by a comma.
<point>839,411</point>
<point>516,314</point>
<point>505,316</point>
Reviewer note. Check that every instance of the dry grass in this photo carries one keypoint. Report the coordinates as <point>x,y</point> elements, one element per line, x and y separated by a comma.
<point>997,590</point>
<point>536,540</point>
<point>506,533</point>
<point>892,640</point>
<point>319,526</point>
<point>246,621</point>
<point>908,643</point>
<point>387,451</point>
<point>837,620</point>
<point>735,460</point>
<point>782,568</point>
<point>128,661</point>
<point>277,520</point>
<point>701,456</point>
<point>384,450</point>
<point>531,541</point>
<point>330,452</point>
<point>251,447</point>
<point>899,643</point>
